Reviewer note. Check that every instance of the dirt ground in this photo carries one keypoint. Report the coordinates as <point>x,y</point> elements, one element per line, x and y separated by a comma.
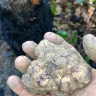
<point>7,68</point>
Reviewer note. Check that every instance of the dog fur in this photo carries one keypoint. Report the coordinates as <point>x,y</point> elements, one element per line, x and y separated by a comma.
<point>25,24</point>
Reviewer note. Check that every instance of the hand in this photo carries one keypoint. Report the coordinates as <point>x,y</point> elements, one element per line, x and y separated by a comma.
<point>22,64</point>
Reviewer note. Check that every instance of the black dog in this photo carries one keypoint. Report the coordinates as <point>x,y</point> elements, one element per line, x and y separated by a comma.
<point>21,21</point>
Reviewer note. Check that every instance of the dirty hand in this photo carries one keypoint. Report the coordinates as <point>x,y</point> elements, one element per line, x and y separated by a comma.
<point>22,63</point>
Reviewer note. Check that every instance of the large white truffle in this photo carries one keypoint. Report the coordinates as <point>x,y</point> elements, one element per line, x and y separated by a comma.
<point>57,70</point>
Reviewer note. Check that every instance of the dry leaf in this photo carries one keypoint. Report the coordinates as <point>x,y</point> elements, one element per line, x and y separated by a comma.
<point>58,10</point>
<point>90,11</point>
<point>86,17</point>
<point>35,2</point>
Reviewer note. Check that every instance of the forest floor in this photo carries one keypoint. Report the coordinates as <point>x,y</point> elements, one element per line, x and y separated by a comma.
<point>75,19</point>
<point>7,67</point>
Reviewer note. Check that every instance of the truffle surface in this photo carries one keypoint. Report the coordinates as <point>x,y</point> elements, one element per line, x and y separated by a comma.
<point>58,70</point>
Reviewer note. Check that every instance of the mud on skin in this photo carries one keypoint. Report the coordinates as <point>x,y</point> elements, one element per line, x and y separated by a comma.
<point>58,70</point>
<point>21,21</point>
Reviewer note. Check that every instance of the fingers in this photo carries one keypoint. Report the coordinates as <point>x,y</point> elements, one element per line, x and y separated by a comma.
<point>15,84</point>
<point>56,39</point>
<point>52,37</point>
<point>90,90</point>
<point>66,45</point>
<point>93,73</point>
<point>22,63</point>
<point>28,47</point>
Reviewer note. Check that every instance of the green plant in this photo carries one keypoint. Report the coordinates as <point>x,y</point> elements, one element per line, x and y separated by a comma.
<point>86,58</point>
<point>72,39</point>
<point>93,0</point>
<point>53,7</point>
<point>64,34</point>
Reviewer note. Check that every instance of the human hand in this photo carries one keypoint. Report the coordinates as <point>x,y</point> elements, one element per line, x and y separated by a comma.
<point>22,63</point>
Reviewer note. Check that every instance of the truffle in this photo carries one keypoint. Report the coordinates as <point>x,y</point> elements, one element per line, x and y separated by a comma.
<point>57,70</point>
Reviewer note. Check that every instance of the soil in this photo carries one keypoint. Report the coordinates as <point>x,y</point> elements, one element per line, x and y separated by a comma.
<point>7,68</point>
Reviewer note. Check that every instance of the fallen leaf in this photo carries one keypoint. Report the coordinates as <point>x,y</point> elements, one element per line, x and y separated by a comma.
<point>58,10</point>
<point>35,2</point>
<point>91,10</point>
<point>86,17</point>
